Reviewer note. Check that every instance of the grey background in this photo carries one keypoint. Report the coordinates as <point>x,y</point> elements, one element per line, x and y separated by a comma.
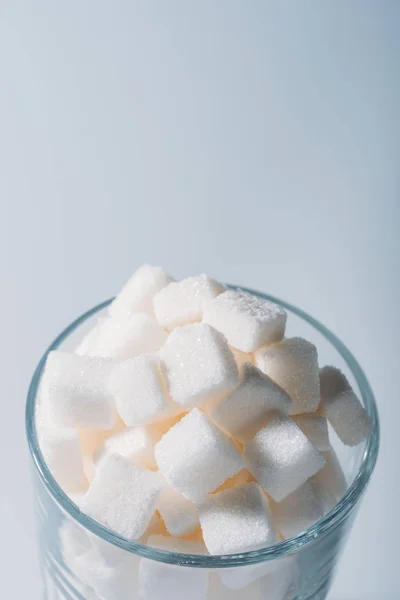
<point>257,141</point>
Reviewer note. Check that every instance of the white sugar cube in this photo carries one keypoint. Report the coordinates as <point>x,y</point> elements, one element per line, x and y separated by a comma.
<point>195,456</point>
<point>199,366</point>
<point>77,391</point>
<point>123,496</point>
<point>342,408</point>
<point>135,443</point>
<point>237,520</point>
<point>162,581</point>
<point>293,364</point>
<point>110,582</point>
<point>246,409</point>
<point>62,453</point>
<point>331,476</point>
<point>242,358</point>
<point>179,514</point>
<point>281,457</point>
<point>298,511</point>
<point>138,292</point>
<point>182,302</point>
<point>122,338</point>
<point>248,322</point>
<point>140,391</point>
<point>315,428</point>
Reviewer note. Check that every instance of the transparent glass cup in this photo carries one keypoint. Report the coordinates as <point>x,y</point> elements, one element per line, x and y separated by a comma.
<point>82,560</point>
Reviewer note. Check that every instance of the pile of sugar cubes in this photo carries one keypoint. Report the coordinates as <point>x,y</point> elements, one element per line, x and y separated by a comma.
<point>187,420</point>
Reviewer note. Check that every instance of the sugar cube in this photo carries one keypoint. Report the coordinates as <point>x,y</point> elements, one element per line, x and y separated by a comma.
<point>140,392</point>
<point>281,457</point>
<point>342,408</point>
<point>195,456</point>
<point>248,322</point>
<point>298,511</point>
<point>135,443</point>
<point>315,428</point>
<point>293,364</point>
<point>237,520</point>
<point>162,581</point>
<point>331,476</point>
<point>179,514</point>
<point>62,453</point>
<point>121,338</point>
<point>199,366</point>
<point>246,409</point>
<point>123,496</point>
<point>138,292</point>
<point>77,391</point>
<point>182,302</point>
<point>242,358</point>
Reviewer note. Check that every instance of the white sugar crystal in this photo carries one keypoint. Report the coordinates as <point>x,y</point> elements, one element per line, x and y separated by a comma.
<point>183,302</point>
<point>293,364</point>
<point>135,443</point>
<point>195,456</point>
<point>138,292</point>
<point>62,453</point>
<point>110,582</point>
<point>121,338</point>
<point>281,457</point>
<point>179,514</point>
<point>246,409</point>
<point>199,366</point>
<point>237,520</point>
<point>140,391</point>
<point>248,322</point>
<point>342,408</point>
<point>315,428</point>
<point>162,581</point>
<point>298,511</point>
<point>123,496</point>
<point>77,391</point>
<point>331,476</point>
<point>242,358</point>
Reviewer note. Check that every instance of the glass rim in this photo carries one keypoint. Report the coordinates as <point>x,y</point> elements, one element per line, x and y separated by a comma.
<point>321,528</point>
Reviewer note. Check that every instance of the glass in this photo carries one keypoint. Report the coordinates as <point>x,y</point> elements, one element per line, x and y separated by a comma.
<point>82,560</point>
